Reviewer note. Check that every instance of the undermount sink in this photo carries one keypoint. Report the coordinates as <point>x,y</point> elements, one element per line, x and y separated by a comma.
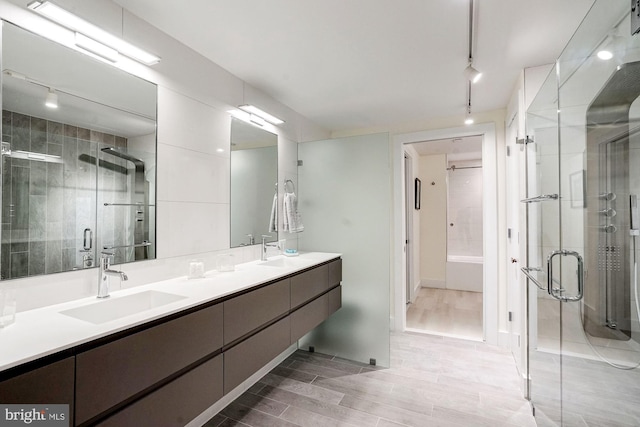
<point>282,262</point>
<point>116,308</point>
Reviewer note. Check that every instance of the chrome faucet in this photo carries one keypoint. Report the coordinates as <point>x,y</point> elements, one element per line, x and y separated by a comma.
<point>105,273</point>
<point>266,245</point>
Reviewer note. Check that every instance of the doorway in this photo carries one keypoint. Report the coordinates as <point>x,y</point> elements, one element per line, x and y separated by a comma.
<point>489,245</point>
<point>448,296</point>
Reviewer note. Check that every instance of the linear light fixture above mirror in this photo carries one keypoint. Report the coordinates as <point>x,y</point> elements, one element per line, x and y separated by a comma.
<point>247,117</point>
<point>92,38</point>
<point>252,109</point>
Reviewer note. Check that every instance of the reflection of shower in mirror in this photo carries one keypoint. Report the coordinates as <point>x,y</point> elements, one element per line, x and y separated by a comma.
<point>129,195</point>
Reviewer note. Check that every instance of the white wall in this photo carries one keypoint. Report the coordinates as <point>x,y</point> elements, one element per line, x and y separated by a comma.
<point>433,220</point>
<point>194,95</point>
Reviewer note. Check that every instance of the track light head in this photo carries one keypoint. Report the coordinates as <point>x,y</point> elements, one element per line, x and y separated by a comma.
<point>472,74</point>
<point>51,101</point>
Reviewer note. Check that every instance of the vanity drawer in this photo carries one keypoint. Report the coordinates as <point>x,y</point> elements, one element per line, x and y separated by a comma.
<point>176,403</point>
<point>109,374</point>
<point>308,317</point>
<point>247,312</point>
<point>335,272</point>
<point>50,384</point>
<point>335,299</point>
<point>246,358</point>
<point>308,285</point>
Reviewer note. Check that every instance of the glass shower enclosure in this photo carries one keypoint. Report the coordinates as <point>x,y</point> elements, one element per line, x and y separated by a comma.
<point>583,175</point>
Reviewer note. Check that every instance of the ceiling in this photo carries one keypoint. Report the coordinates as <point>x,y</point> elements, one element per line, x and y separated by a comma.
<point>351,64</point>
<point>464,148</point>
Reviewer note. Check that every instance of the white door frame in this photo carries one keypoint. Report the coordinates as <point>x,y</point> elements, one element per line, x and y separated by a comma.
<point>408,228</point>
<point>490,222</point>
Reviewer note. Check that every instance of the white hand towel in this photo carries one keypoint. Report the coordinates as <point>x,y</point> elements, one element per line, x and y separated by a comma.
<point>273,219</point>
<point>292,218</point>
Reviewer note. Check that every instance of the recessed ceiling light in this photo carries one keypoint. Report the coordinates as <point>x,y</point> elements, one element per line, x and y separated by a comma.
<point>605,55</point>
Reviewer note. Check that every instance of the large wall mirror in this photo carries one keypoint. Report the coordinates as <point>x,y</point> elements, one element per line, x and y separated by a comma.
<point>254,188</point>
<point>80,178</point>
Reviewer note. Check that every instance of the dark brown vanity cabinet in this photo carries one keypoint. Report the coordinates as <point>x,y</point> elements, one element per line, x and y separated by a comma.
<point>308,285</point>
<point>49,384</point>
<point>114,372</point>
<point>308,317</point>
<point>248,312</point>
<point>177,403</point>
<point>168,372</point>
<point>249,356</point>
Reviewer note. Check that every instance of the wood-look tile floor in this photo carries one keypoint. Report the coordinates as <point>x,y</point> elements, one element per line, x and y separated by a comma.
<point>447,311</point>
<point>432,381</point>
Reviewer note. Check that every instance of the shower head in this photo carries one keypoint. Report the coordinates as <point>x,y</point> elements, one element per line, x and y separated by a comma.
<point>110,150</point>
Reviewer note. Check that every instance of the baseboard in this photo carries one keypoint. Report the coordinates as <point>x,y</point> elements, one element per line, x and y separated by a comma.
<point>210,412</point>
<point>433,283</point>
<point>416,289</point>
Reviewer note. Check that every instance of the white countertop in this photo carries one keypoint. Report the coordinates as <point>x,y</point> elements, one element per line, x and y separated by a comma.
<point>44,331</point>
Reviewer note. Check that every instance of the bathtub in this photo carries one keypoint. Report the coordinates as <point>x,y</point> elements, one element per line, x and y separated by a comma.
<point>464,273</point>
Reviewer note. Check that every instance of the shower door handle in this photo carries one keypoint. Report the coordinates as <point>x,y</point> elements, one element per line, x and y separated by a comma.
<point>550,289</point>
<point>87,243</point>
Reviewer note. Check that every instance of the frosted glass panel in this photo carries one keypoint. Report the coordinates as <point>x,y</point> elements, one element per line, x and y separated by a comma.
<point>345,202</point>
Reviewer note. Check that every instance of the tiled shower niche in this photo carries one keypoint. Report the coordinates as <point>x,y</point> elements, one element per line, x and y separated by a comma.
<point>49,206</point>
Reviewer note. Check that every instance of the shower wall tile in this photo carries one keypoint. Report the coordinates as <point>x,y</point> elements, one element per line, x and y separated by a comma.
<point>96,136</point>
<point>53,257</point>
<point>6,125</point>
<point>69,211</point>
<point>47,206</point>
<point>70,153</point>
<point>6,189</point>
<point>464,211</point>
<point>70,179</point>
<point>86,162</point>
<point>19,264</point>
<point>69,259</point>
<point>70,131</point>
<point>37,253</point>
<point>55,174</point>
<point>20,198</point>
<point>55,130</point>
<point>55,197</point>
<point>20,138</point>
<point>37,218</point>
<point>5,259</point>
<point>19,240</point>
<point>84,134</point>
<point>38,178</point>
<point>38,135</point>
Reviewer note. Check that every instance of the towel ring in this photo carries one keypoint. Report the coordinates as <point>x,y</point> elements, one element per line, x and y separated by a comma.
<point>293,185</point>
